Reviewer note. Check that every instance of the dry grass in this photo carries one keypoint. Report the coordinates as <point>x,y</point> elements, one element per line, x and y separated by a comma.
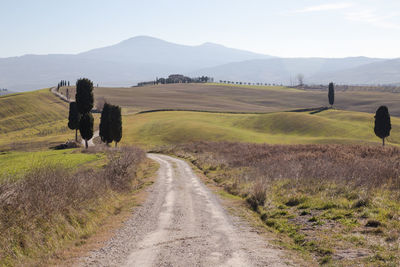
<point>339,203</point>
<point>353,165</point>
<point>236,98</point>
<point>52,204</point>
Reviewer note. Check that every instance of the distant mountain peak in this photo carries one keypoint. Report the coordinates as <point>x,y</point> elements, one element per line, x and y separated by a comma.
<point>209,44</point>
<point>143,38</point>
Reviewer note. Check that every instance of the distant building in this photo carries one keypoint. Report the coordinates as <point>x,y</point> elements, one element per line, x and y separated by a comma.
<point>177,78</point>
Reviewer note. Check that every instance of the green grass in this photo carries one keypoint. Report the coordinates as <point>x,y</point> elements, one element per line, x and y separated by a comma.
<point>29,110</point>
<point>331,126</point>
<point>33,119</point>
<point>16,164</point>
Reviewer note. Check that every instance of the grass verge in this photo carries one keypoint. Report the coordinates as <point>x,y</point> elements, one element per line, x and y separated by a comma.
<point>15,164</point>
<point>53,206</point>
<point>337,204</point>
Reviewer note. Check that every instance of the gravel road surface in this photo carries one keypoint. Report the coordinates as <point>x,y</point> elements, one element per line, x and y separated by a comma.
<point>182,223</point>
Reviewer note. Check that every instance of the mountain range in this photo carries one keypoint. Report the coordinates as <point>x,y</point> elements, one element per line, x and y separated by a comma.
<point>144,58</point>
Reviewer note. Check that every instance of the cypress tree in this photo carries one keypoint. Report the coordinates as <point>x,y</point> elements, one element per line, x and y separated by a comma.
<point>73,118</point>
<point>105,124</point>
<point>84,95</point>
<point>331,94</point>
<point>382,123</point>
<point>86,127</point>
<point>116,124</point>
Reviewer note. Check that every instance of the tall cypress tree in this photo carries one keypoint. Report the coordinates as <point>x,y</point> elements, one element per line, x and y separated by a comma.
<point>84,95</point>
<point>84,101</point>
<point>105,124</point>
<point>73,118</point>
<point>382,123</point>
<point>116,124</point>
<point>331,94</point>
<point>86,127</point>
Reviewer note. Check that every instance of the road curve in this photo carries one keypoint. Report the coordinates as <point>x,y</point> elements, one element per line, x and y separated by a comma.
<point>182,223</point>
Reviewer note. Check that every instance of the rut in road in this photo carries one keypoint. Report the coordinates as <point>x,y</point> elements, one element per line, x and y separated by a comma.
<point>182,223</point>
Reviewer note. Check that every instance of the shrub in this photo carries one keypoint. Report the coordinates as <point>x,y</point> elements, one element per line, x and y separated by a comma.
<point>29,206</point>
<point>258,195</point>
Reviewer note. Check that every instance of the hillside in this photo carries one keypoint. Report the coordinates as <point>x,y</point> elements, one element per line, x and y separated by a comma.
<point>32,119</point>
<point>332,126</point>
<point>239,98</point>
<point>39,119</point>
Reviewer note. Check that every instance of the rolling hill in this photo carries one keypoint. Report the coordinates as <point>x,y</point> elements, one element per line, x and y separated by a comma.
<point>327,127</point>
<point>239,98</point>
<point>33,119</point>
<point>39,119</point>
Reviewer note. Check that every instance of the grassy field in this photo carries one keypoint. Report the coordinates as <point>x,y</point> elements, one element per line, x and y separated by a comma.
<point>17,164</point>
<point>39,119</point>
<point>240,98</point>
<point>337,204</point>
<point>32,119</point>
<point>56,207</point>
<point>331,126</point>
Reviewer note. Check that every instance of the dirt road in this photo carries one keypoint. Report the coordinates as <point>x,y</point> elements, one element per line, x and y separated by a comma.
<point>182,223</point>
<point>90,142</point>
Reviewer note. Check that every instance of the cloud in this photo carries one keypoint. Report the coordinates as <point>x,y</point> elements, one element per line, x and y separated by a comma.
<point>325,7</point>
<point>371,17</point>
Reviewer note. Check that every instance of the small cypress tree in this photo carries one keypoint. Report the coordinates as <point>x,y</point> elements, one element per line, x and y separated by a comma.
<point>382,123</point>
<point>73,118</point>
<point>105,124</point>
<point>331,94</point>
<point>116,124</point>
<point>84,95</point>
<point>86,127</point>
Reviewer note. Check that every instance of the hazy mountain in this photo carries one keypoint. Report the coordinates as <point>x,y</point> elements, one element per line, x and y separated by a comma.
<point>285,70</point>
<point>131,61</point>
<point>144,58</point>
<point>143,49</point>
<point>380,72</point>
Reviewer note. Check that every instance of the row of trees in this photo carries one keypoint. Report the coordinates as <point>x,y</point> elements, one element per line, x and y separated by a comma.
<point>249,83</point>
<point>80,116</point>
<point>62,83</point>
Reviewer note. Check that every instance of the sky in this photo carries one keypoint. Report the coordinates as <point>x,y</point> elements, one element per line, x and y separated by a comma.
<point>286,28</point>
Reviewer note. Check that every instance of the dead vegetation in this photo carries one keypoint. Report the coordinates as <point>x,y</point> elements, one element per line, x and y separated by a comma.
<point>52,204</point>
<point>338,203</point>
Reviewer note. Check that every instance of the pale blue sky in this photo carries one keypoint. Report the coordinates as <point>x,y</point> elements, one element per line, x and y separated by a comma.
<point>285,28</point>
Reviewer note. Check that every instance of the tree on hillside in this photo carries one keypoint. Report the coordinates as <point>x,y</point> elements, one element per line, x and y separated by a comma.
<point>73,118</point>
<point>105,124</point>
<point>382,123</point>
<point>331,94</point>
<point>116,124</point>
<point>84,95</point>
<point>86,127</point>
<point>84,101</point>
<point>300,79</point>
